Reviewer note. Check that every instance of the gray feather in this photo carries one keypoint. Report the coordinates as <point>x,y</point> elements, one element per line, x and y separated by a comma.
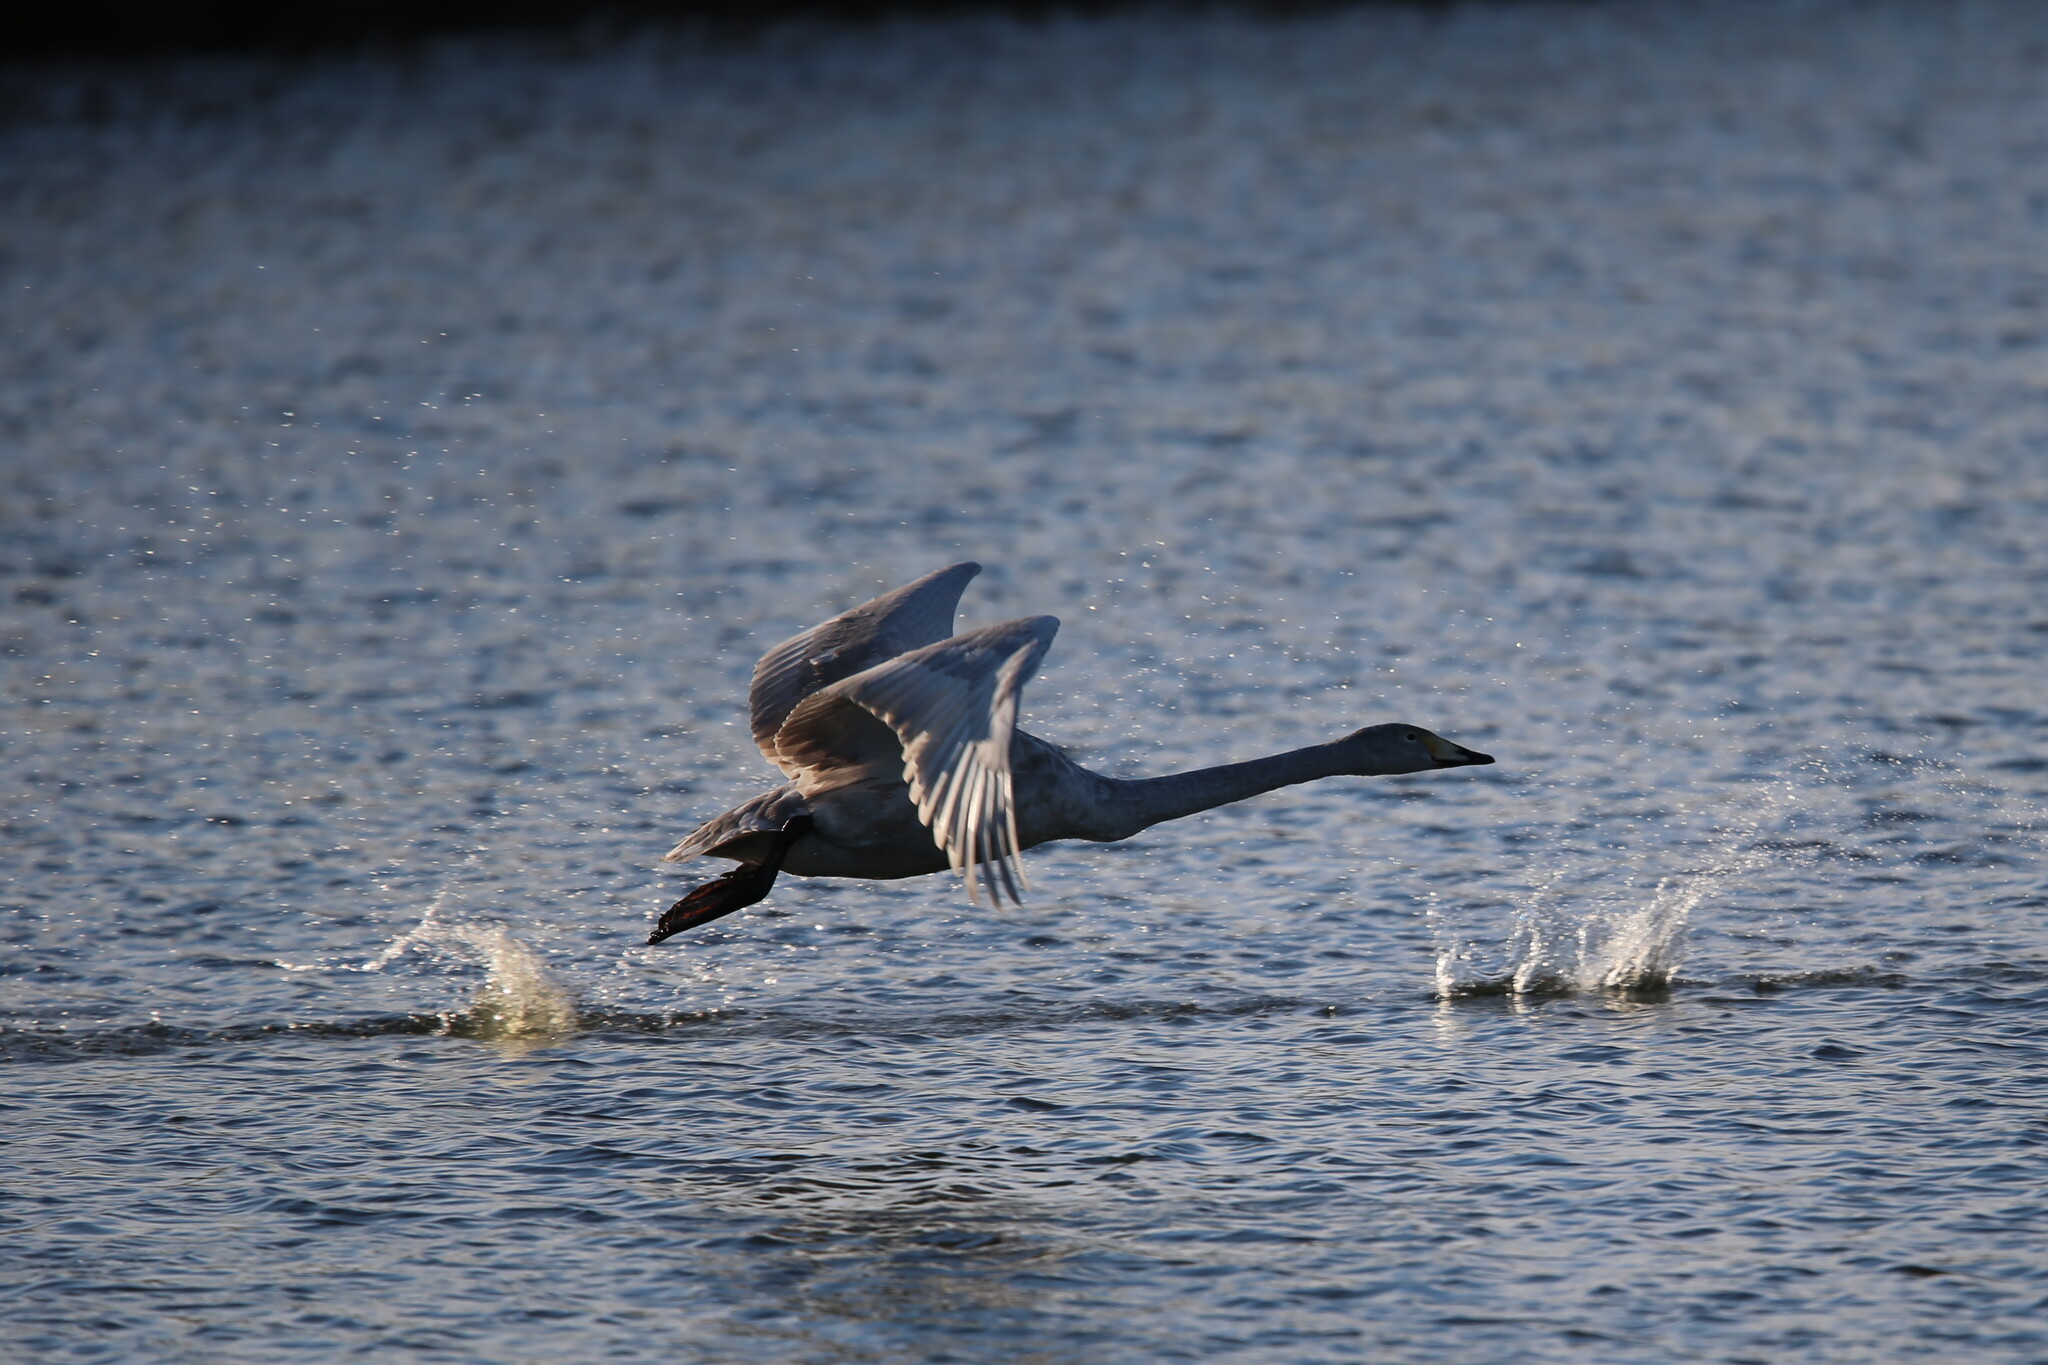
<point>895,623</point>
<point>742,830</point>
<point>953,706</point>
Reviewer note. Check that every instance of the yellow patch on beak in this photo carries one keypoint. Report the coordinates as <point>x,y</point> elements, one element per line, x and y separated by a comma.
<point>1441,748</point>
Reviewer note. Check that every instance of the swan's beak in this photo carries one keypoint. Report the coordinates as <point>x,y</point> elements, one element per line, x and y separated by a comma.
<point>1449,755</point>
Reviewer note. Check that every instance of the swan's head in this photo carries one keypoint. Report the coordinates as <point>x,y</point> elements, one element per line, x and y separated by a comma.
<point>1382,750</point>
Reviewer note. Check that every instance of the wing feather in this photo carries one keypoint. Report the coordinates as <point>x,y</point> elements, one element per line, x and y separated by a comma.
<point>914,615</point>
<point>953,706</point>
<point>762,815</point>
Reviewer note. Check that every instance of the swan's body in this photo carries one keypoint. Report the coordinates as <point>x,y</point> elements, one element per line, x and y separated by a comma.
<point>899,740</point>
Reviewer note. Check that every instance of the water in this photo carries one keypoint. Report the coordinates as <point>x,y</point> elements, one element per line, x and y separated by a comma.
<point>408,456</point>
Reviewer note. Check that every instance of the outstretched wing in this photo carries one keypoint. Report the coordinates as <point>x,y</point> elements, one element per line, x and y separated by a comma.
<point>953,708</point>
<point>895,623</point>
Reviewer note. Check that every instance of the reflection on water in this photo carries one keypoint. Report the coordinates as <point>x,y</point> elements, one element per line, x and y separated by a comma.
<point>996,1270</point>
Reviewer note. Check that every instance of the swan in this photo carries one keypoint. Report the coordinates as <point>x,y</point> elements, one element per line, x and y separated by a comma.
<point>900,743</point>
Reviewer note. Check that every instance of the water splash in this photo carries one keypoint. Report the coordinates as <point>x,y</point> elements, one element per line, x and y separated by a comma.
<point>1572,932</point>
<point>520,999</point>
<point>1629,949</point>
<point>1637,950</point>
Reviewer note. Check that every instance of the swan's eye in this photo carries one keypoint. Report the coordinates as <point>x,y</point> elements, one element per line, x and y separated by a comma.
<point>1412,736</point>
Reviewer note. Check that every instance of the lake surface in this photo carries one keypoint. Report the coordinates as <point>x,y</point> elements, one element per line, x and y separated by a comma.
<point>407,457</point>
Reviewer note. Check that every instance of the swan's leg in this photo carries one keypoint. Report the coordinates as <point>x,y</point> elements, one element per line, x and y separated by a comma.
<point>736,890</point>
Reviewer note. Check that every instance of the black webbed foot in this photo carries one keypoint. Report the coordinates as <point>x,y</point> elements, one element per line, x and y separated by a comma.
<point>736,890</point>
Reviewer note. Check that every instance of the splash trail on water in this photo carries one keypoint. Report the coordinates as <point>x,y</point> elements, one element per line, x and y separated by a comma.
<point>1570,934</point>
<point>520,996</point>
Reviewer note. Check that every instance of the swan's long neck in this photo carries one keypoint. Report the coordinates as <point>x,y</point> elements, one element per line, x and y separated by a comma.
<point>1127,806</point>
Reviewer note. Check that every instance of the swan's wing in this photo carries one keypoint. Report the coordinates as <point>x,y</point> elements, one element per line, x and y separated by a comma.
<point>914,615</point>
<point>762,816</point>
<point>953,708</point>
